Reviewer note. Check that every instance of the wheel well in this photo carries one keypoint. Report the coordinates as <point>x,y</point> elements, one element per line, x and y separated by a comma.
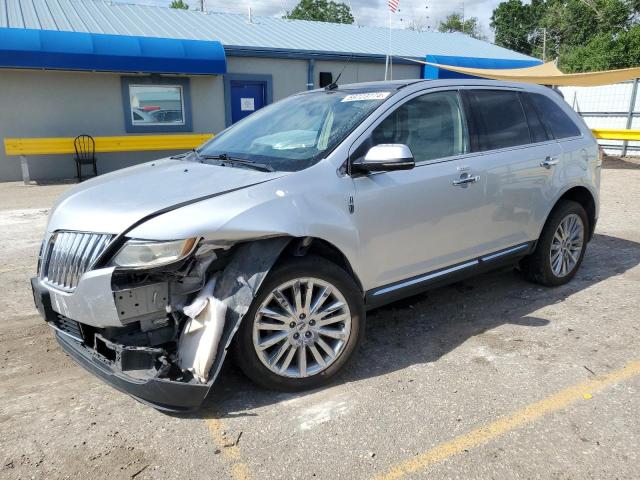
<point>299,247</point>
<point>583,196</point>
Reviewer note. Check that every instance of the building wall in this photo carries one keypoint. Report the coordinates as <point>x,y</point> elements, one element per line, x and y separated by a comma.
<point>65,104</point>
<point>38,103</point>
<point>355,72</point>
<point>289,76</point>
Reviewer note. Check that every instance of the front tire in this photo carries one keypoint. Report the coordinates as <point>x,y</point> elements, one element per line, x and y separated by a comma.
<point>561,246</point>
<point>302,327</point>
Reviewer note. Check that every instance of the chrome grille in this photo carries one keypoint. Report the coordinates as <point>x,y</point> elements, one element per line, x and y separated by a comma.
<point>67,255</point>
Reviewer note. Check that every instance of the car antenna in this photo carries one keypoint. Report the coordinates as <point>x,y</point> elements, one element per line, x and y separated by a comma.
<point>333,85</point>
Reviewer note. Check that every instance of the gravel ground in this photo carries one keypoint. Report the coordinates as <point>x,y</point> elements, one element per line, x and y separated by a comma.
<point>433,368</point>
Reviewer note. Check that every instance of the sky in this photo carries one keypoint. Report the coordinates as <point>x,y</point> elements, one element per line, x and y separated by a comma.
<point>366,12</point>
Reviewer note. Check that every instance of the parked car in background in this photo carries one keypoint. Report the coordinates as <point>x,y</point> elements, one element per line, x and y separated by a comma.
<point>301,217</point>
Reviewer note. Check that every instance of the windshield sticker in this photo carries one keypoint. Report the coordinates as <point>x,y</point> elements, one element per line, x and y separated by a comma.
<point>359,97</point>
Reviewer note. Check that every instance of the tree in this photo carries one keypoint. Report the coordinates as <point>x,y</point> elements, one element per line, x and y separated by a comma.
<point>321,11</point>
<point>455,23</point>
<point>515,24</point>
<point>584,35</point>
<point>179,4</point>
<point>604,52</point>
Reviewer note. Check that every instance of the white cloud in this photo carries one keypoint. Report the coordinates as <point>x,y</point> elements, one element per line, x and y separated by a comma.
<point>367,12</point>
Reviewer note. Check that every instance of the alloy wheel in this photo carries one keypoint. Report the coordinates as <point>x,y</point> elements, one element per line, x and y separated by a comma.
<point>566,245</point>
<point>301,327</point>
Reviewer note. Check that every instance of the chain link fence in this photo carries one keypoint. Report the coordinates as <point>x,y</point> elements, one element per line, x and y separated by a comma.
<point>609,106</point>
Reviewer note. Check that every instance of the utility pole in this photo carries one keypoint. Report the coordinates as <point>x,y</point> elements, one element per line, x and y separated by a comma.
<point>544,44</point>
<point>203,5</point>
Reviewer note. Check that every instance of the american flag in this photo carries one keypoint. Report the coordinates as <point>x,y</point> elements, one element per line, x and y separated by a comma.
<point>393,5</point>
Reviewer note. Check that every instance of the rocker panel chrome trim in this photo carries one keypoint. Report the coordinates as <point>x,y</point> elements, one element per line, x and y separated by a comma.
<point>504,252</point>
<point>424,278</point>
<point>446,271</point>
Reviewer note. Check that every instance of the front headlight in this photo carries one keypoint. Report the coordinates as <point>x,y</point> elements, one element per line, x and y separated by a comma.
<point>149,254</point>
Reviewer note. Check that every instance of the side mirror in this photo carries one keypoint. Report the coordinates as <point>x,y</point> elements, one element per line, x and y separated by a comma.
<point>385,158</point>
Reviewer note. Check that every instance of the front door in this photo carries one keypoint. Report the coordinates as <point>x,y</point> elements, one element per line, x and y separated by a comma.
<point>435,215</point>
<point>247,96</point>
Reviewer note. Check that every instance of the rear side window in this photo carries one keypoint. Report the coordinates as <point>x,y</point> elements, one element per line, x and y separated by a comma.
<point>552,115</point>
<point>498,118</point>
<point>538,131</point>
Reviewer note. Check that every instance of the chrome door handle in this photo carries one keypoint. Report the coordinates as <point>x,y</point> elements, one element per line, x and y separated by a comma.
<point>549,162</point>
<point>465,180</point>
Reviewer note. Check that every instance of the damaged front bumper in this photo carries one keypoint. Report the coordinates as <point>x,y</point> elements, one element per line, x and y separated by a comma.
<point>162,394</point>
<point>111,362</point>
<point>141,356</point>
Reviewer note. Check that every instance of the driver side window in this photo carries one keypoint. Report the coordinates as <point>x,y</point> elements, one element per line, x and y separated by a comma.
<point>432,125</point>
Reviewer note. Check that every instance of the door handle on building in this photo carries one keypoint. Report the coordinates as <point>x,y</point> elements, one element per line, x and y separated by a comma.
<point>549,162</point>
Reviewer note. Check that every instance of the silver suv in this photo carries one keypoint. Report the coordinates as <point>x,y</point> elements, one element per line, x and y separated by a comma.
<point>274,238</point>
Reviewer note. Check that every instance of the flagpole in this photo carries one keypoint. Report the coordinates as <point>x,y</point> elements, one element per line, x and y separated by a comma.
<point>390,56</point>
<point>386,63</point>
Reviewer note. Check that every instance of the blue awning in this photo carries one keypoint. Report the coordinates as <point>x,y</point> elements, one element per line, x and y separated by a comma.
<point>51,49</point>
<point>432,72</point>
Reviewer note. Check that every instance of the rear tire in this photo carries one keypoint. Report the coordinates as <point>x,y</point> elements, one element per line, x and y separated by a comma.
<point>327,340</point>
<point>560,248</point>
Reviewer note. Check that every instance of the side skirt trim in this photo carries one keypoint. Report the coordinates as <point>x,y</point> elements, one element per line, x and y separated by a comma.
<point>411,286</point>
<point>504,252</point>
<point>424,278</point>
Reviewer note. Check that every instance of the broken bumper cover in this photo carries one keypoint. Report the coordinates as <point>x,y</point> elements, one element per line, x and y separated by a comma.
<point>162,394</point>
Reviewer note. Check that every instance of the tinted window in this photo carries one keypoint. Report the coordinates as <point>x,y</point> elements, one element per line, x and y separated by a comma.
<point>498,118</point>
<point>536,128</point>
<point>557,121</point>
<point>431,125</point>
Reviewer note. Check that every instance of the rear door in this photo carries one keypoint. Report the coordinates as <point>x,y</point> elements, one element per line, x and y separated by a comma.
<point>512,149</point>
<point>578,150</point>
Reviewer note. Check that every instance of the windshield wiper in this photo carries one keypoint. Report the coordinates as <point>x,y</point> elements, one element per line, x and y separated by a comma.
<point>263,167</point>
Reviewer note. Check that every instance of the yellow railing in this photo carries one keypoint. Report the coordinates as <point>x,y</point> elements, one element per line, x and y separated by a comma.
<point>129,143</point>
<point>616,134</point>
<point>134,143</point>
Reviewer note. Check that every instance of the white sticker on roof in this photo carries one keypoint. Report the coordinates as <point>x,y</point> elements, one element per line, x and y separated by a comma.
<point>359,97</point>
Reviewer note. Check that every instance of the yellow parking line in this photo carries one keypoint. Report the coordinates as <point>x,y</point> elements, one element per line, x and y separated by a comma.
<point>239,471</point>
<point>528,414</point>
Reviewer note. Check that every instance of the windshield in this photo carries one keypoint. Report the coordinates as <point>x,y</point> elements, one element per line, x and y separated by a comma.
<point>296,132</point>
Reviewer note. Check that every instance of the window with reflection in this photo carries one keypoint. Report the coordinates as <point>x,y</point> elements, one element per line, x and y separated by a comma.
<point>432,125</point>
<point>156,104</point>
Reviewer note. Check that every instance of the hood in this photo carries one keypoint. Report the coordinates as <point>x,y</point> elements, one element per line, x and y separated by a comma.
<point>113,202</point>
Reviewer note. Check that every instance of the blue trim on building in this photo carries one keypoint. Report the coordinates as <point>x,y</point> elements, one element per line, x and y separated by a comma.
<point>244,77</point>
<point>50,49</point>
<point>129,126</point>
<point>433,73</point>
